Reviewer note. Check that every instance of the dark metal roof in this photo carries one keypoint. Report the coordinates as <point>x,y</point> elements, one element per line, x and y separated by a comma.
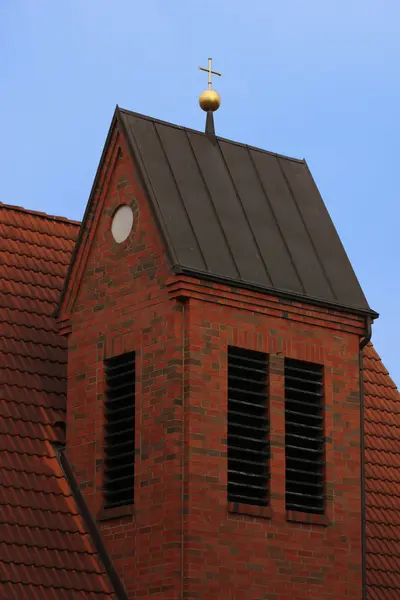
<point>240,214</point>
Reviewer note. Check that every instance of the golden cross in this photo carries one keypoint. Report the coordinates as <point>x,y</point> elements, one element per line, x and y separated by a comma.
<point>210,72</point>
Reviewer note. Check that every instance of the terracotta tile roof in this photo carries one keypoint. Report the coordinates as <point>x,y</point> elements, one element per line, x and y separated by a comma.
<point>382,469</point>
<point>45,550</point>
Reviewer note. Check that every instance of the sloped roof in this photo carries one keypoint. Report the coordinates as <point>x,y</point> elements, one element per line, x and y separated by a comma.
<point>241,214</point>
<point>382,470</point>
<point>45,550</point>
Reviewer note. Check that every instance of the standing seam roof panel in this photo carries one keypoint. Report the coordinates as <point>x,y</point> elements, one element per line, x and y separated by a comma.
<point>326,240</point>
<point>196,200</point>
<point>261,218</point>
<point>297,239</point>
<point>229,210</point>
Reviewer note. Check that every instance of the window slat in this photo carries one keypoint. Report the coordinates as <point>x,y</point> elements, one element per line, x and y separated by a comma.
<point>248,444</point>
<point>119,433</point>
<point>304,437</point>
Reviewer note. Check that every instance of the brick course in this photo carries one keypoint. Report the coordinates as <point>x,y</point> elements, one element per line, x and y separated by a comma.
<point>182,539</point>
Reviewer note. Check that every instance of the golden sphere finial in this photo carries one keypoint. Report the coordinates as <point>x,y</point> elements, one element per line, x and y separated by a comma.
<point>210,100</point>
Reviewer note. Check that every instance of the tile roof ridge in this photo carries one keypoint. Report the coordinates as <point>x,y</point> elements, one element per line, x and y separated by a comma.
<point>40,214</point>
<point>202,133</point>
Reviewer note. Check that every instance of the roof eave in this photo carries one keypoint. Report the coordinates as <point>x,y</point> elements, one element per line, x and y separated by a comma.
<point>284,294</point>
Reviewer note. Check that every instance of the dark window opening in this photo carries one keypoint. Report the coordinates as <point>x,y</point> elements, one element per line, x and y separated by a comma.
<point>119,430</point>
<point>304,437</point>
<point>248,427</point>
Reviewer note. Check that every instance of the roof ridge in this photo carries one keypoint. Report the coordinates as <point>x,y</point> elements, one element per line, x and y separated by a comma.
<point>202,133</point>
<point>37,213</point>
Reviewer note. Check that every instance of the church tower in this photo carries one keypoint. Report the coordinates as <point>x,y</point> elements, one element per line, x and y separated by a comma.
<point>214,325</point>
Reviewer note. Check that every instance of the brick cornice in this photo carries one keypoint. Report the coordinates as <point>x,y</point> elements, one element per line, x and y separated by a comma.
<point>182,287</point>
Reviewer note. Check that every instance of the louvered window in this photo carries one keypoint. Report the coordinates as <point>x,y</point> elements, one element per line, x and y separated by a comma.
<point>119,430</point>
<point>248,439</point>
<point>304,433</point>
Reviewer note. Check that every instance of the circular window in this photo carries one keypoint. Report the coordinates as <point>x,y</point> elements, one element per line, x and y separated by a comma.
<point>122,223</point>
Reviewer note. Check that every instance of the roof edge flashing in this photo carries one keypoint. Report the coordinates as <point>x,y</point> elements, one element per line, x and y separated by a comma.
<point>91,526</point>
<point>285,294</point>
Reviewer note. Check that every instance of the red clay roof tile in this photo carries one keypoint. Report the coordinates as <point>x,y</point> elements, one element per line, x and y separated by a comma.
<point>382,468</point>
<point>45,552</point>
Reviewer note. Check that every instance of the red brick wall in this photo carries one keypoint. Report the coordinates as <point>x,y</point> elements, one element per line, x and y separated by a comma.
<point>181,540</point>
<point>122,305</point>
<point>229,552</point>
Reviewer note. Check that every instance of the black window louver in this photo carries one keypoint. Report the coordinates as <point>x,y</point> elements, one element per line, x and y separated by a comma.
<point>248,427</point>
<point>119,430</point>
<point>304,437</point>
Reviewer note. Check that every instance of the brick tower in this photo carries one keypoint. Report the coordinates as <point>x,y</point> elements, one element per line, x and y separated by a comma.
<point>214,325</point>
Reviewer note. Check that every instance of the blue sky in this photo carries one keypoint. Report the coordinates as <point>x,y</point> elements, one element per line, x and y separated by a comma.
<point>314,79</point>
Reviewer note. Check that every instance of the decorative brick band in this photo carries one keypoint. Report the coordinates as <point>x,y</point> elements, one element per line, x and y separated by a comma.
<point>182,287</point>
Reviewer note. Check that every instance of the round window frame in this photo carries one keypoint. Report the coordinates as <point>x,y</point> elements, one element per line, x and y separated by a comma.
<point>114,216</point>
<point>120,248</point>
